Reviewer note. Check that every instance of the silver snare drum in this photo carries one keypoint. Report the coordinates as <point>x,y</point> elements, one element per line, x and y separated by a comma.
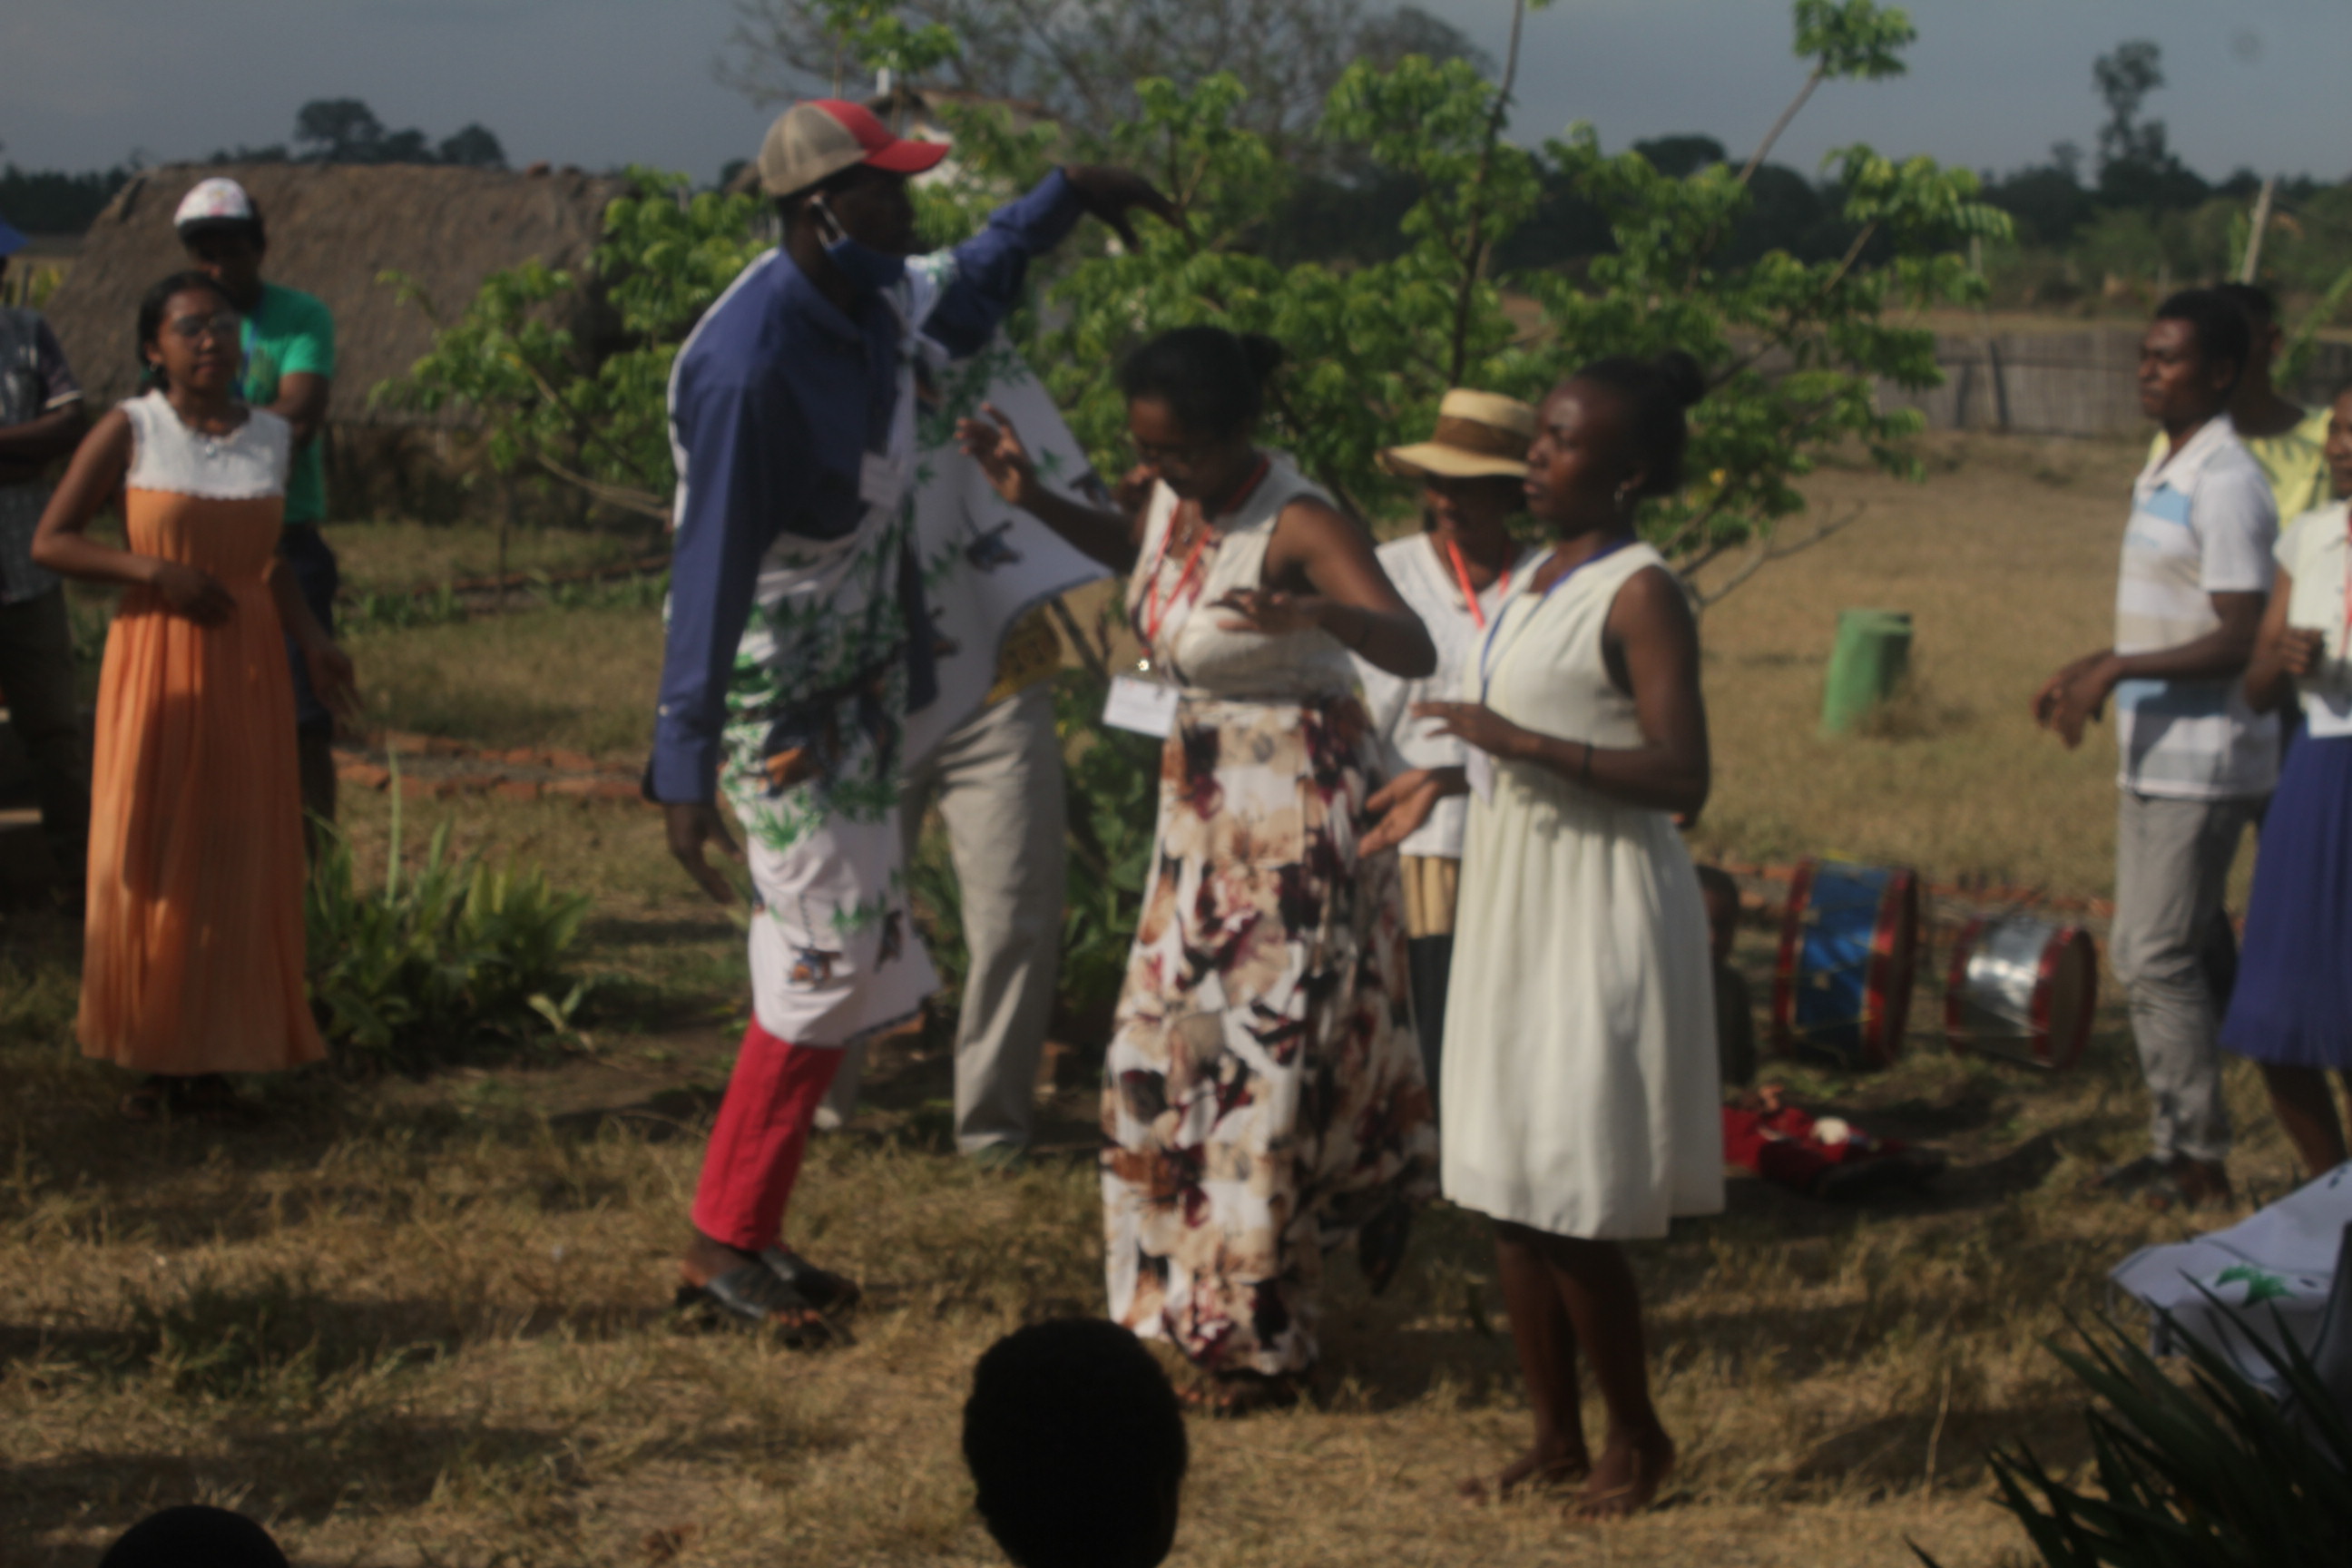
<point>2023,990</point>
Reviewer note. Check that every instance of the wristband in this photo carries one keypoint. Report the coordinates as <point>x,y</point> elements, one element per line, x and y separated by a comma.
<point>1584,772</point>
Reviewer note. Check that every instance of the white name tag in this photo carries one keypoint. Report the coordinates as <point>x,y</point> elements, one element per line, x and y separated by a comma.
<point>1146,707</point>
<point>2328,714</point>
<point>878,481</point>
<point>1479,766</point>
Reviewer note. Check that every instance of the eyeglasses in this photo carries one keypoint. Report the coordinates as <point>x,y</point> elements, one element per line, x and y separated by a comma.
<point>1184,458</point>
<point>192,329</point>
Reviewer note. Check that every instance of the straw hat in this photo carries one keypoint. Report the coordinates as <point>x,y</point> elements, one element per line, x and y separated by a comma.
<point>1479,436</point>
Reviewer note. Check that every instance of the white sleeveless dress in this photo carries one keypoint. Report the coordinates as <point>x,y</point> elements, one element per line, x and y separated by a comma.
<point>1582,1093</point>
<point>1263,1095</point>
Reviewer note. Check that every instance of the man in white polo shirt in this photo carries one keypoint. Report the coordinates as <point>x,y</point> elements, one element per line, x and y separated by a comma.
<point>2197,762</point>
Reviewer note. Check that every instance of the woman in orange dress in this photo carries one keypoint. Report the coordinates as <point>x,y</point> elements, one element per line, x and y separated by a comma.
<point>192,962</point>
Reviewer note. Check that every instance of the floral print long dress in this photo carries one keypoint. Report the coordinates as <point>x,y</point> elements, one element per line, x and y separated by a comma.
<point>1263,1093</point>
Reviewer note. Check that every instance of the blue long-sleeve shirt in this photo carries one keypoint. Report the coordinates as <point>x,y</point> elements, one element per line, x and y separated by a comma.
<point>776,398</point>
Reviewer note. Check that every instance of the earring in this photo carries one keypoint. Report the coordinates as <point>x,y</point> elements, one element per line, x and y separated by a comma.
<point>1625,496</point>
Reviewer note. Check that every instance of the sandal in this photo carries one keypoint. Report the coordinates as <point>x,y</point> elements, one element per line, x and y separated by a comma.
<point>821,1287</point>
<point>753,1296</point>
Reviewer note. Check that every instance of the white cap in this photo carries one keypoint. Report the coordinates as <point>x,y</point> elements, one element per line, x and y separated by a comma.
<point>215,200</point>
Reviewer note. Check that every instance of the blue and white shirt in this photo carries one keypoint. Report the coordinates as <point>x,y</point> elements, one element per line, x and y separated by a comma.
<point>2202,523</point>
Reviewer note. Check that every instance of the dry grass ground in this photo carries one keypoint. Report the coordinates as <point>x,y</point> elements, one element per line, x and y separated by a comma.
<point>421,1323</point>
<point>2006,561</point>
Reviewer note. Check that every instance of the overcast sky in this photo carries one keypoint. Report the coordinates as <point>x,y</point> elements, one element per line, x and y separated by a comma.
<point>84,83</point>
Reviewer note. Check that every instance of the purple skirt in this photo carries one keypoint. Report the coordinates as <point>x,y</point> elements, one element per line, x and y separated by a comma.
<point>2293,1004</point>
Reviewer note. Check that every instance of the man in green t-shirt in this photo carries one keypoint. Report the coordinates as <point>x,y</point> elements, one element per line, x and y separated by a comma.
<point>2288,440</point>
<point>289,368</point>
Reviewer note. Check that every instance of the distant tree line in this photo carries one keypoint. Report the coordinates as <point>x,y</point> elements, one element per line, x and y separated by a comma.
<point>326,131</point>
<point>346,131</point>
<point>48,201</point>
<point>2132,218</point>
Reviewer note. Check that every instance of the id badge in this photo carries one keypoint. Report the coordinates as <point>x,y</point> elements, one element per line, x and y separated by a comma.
<point>878,481</point>
<point>1144,700</point>
<point>1479,768</point>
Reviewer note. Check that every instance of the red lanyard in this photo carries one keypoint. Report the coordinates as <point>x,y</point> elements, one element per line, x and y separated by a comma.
<point>1470,594</point>
<point>1155,613</point>
<point>1154,618</point>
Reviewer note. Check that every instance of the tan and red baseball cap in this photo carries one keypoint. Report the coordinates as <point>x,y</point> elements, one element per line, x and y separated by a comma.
<point>817,140</point>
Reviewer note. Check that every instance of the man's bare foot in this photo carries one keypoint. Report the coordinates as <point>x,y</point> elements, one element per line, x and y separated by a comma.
<point>1544,1468</point>
<point>1627,1478</point>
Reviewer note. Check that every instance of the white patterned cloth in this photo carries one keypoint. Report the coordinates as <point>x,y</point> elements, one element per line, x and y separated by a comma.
<point>819,733</point>
<point>2276,1269</point>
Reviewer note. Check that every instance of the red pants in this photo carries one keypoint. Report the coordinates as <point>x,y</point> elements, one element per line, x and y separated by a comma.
<point>762,1130</point>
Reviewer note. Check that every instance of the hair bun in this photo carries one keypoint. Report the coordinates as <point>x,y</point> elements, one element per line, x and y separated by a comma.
<point>1679,375</point>
<point>1262,355</point>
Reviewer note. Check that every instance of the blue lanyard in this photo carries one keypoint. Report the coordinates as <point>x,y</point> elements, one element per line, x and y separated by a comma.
<point>1486,650</point>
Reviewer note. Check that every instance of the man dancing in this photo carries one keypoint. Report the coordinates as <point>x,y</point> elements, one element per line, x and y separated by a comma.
<point>799,636</point>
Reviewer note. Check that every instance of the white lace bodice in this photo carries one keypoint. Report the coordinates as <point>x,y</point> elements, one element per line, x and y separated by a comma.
<point>246,464</point>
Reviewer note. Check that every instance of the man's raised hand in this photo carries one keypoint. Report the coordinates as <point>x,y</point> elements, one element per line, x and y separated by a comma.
<point>995,446</point>
<point>1108,191</point>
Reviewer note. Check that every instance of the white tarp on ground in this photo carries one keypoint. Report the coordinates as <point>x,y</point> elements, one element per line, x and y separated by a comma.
<point>2275,1270</point>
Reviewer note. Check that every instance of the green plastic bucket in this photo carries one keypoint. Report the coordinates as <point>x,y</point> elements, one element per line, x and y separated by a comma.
<point>1873,651</point>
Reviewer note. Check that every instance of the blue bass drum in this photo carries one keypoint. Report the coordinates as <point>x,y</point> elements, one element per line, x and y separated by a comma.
<point>1849,948</point>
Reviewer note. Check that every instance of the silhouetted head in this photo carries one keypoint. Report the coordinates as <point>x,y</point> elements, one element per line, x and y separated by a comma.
<point>195,1537</point>
<point>1077,1442</point>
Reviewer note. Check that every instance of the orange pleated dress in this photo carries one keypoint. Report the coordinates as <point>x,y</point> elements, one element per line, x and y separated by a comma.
<point>193,961</point>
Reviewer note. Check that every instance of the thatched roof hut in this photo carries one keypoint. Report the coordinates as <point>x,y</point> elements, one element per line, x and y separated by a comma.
<point>332,229</point>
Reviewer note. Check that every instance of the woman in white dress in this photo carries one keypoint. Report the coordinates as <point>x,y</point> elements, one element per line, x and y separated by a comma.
<point>1455,574</point>
<point>1581,1095</point>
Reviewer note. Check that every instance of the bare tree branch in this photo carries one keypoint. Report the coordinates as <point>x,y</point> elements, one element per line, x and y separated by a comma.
<point>1764,554</point>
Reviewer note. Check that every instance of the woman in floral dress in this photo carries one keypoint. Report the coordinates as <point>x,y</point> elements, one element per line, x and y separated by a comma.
<point>1264,1096</point>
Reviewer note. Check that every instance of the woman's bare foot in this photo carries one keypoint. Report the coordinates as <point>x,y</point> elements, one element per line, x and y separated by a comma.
<point>1545,1468</point>
<point>1627,1478</point>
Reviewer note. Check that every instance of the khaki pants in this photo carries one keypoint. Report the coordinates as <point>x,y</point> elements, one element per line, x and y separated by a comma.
<point>2172,866</point>
<point>1432,884</point>
<point>998,784</point>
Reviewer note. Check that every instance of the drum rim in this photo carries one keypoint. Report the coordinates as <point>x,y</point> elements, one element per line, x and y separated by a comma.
<point>1886,996</point>
<point>2044,1048</point>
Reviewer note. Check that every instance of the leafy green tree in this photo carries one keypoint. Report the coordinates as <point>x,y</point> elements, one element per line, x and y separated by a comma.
<point>1792,349</point>
<point>472,147</point>
<point>1792,346</point>
<point>514,358</point>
